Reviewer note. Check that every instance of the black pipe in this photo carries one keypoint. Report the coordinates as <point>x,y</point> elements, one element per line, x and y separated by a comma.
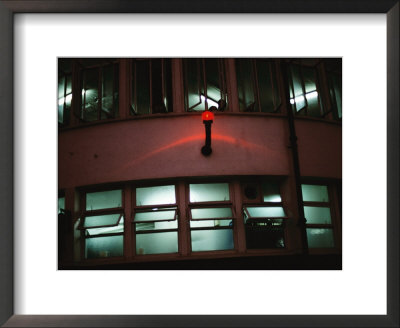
<point>206,149</point>
<point>296,164</point>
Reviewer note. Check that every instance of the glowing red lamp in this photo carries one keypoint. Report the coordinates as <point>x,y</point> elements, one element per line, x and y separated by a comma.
<point>207,116</point>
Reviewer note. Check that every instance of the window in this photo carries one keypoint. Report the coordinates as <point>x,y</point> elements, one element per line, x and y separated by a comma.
<point>102,224</point>
<point>257,85</point>
<point>305,94</point>
<point>61,204</point>
<point>151,88</point>
<point>211,217</point>
<point>317,211</point>
<point>205,84</point>
<point>264,215</point>
<point>64,91</point>
<point>156,220</point>
<point>334,74</point>
<point>99,85</point>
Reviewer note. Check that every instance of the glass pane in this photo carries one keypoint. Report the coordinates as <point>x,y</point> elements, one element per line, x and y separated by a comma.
<point>106,230</point>
<point>245,84</point>
<point>157,225</point>
<point>211,213</point>
<point>214,72</point>
<point>157,96</point>
<point>336,94</point>
<point>322,238</point>
<point>211,223</point>
<point>297,99</point>
<point>317,215</point>
<point>101,247</point>
<point>314,193</point>
<point>212,240</point>
<point>107,99</point>
<point>312,95</point>
<point>61,99</point>
<point>157,243</point>
<point>264,235</point>
<point>271,192</point>
<point>193,84</point>
<point>209,192</point>
<point>155,195</point>
<point>90,94</point>
<point>103,199</point>
<point>100,220</point>
<point>141,87</point>
<point>266,212</point>
<point>61,204</point>
<point>265,86</point>
<point>154,215</point>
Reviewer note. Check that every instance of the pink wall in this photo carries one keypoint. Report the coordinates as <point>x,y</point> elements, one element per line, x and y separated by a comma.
<point>169,147</point>
<point>320,148</point>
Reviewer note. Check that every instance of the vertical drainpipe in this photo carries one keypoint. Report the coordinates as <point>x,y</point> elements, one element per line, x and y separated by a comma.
<point>295,156</point>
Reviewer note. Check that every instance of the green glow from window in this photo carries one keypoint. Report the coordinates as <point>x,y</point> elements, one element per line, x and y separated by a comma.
<point>209,192</point>
<point>155,195</point>
<point>211,213</point>
<point>103,199</point>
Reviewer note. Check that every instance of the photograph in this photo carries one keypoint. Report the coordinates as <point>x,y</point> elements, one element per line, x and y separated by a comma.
<point>199,163</point>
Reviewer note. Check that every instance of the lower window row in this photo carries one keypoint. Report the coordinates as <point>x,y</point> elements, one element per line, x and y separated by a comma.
<point>210,214</point>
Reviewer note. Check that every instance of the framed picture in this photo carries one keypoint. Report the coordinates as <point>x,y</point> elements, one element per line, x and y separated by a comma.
<point>39,291</point>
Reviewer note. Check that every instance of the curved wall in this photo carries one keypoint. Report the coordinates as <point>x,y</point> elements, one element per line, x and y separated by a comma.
<point>169,146</point>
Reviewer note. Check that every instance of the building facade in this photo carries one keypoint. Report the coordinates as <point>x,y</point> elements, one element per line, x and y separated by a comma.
<point>136,191</point>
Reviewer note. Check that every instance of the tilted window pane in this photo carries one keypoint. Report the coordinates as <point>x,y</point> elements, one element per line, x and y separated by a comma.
<point>140,87</point>
<point>209,192</point>
<point>106,230</point>
<point>101,220</point>
<point>157,225</point>
<point>271,192</point>
<point>101,247</point>
<point>245,84</point>
<point>211,223</point>
<point>157,243</point>
<point>154,216</point>
<point>90,94</point>
<point>297,97</point>
<point>265,85</point>
<point>103,199</point>
<point>266,212</point>
<point>336,94</point>
<point>193,84</point>
<point>320,238</point>
<point>212,240</point>
<point>314,193</point>
<point>312,96</point>
<point>211,213</point>
<point>157,87</point>
<point>155,195</point>
<point>61,204</point>
<point>109,91</point>
<point>317,215</point>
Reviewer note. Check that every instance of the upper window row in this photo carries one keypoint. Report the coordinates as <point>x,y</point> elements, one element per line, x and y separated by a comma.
<point>315,86</point>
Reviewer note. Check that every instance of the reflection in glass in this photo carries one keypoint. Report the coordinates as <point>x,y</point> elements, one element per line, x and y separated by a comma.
<point>212,240</point>
<point>103,199</point>
<point>320,238</point>
<point>209,192</point>
<point>155,195</point>
<point>157,243</point>
<point>102,247</point>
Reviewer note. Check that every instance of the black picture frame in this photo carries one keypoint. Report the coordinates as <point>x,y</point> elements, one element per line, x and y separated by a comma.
<point>10,7</point>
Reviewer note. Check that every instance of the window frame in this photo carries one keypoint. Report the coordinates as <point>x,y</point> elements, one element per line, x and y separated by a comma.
<point>331,205</point>
<point>146,208</point>
<point>273,67</point>
<point>116,89</point>
<point>210,204</point>
<point>303,112</point>
<point>164,83</point>
<point>88,213</point>
<point>203,85</point>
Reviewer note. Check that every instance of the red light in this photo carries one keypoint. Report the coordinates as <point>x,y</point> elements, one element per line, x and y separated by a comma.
<point>207,115</point>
